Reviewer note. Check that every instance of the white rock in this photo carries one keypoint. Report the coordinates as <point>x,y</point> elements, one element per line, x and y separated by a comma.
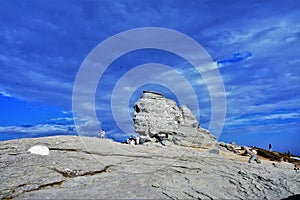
<point>39,149</point>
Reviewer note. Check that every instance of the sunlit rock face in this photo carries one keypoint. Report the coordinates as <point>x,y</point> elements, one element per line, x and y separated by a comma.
<point>93,168</point>
<point>155,114</point>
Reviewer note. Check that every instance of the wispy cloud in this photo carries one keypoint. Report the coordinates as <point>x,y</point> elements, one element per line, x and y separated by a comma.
<point>282,116</point>
<point>4,93</point>
<point>37,130</point>
<point>259,119</point>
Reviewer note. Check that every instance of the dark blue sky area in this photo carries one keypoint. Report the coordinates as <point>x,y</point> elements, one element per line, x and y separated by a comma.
<point>254,44</point>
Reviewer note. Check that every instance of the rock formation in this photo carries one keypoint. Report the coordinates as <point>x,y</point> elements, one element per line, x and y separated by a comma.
<point>92,168</point>
<point>70,167</point>
<point>154,114</point>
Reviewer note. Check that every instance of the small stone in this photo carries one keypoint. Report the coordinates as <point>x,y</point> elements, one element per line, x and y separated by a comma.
<point>242,172</point>
<point>214,151</point>
<point>39,150</point>
<point>155,185</point>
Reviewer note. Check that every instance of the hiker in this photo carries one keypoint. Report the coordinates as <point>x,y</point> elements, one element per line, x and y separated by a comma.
<point>253,158</point>
<point>159,139</point>
<point>270,147</point>
<point>130,140</point>
<point>144,139</point>
<point>102,134</point>
<point>296,168</point>
<point>137,140</point>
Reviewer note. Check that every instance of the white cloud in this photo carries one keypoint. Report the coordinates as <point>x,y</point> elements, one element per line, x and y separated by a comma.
<point>62,119</point>
<point>38,129</point>
<point>4,93</point>
<point>66,112</point>
<point>258,119</point>
<point>282,116</point>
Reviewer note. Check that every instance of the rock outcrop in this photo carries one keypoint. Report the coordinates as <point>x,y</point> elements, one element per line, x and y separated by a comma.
<point>154,114</point>
<point>92,168</point>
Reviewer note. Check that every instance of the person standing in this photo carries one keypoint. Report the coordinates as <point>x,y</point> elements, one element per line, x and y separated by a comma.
<point>254,158</point>
<point>102,134</point>
<point>289,154</point>
<point>270,147</point>
<point>137,139</point>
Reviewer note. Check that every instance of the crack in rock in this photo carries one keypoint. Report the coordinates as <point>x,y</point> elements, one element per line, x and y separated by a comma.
<point>33,188</point>
<point>74,173</point>
<point>186,167</point>
<point>169,196</point>
<point>201,193</point>
<point>72,150</point>
<point>191,196</point>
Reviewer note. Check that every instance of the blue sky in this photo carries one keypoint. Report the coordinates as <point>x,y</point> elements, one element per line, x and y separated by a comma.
<point>255,45</point>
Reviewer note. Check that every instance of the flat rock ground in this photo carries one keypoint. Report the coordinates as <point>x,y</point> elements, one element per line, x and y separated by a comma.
<point>85,168</point>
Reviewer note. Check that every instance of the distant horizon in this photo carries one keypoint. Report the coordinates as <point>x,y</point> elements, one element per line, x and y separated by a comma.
<point>124,140</point>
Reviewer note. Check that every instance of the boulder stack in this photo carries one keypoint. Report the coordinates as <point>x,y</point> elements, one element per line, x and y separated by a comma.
<point>156,115</point>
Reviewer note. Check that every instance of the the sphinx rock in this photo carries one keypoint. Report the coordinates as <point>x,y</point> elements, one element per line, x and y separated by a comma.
<point>154,114</point>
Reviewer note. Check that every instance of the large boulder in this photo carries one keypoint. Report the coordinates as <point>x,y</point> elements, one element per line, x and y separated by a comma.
<point>156,115</point>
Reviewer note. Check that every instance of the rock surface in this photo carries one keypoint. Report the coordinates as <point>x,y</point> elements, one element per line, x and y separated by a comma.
<point>92,168</point>
<point>155,114</point>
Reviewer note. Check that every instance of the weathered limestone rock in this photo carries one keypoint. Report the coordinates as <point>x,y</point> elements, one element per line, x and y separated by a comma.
<point>188,117</point>
<point>91,168</point>
<point>154,114</point>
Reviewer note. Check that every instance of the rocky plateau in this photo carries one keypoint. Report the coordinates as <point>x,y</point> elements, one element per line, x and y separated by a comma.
<point>93,168</point>
<point>188,164</point>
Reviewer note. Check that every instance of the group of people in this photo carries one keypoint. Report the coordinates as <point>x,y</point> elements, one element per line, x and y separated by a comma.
<point>134,141</point>
<point>131,140</point>
<point>137,140</point>
<point>140,140</point>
